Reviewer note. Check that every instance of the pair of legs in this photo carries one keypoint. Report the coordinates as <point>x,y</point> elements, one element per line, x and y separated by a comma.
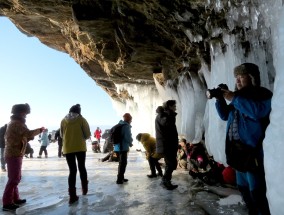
<point>121,166</point>
<point>3,163</point>
<point>71,161</point>
<point>59,150</point>
<point>155,165</point>
<point>43,149</point>
<point>11,192</point>
<point>171,165</point>
<point>252,186</point>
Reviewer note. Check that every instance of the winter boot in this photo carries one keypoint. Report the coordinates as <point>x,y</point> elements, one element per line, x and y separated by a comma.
<point>72,195</point>
<point>160,173</point>
<point>10,207</point>
<point>85,187</point>
<point>152,175</point>
<point>168,185</point>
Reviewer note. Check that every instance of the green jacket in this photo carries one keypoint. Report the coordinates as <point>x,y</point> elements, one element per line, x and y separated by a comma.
<point>74,130</point>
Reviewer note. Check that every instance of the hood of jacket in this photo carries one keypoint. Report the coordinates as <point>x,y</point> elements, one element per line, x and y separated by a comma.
<point>71,116</point>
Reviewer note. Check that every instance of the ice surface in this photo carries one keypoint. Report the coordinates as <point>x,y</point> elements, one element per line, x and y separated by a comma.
<point>44,185</point>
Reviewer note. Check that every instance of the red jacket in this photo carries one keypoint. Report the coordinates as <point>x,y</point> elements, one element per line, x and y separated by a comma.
<point>97,133</point>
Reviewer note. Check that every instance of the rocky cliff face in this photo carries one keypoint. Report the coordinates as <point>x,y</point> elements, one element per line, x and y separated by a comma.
<point>123,41</point>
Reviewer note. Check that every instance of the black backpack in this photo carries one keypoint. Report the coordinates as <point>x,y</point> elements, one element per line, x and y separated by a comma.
<point>115,136</point>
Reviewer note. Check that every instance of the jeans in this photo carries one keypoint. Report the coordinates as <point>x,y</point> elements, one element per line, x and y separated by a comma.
<point>71,161</point>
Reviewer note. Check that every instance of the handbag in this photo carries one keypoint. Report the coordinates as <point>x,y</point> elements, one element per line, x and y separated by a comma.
<point>241,156</point>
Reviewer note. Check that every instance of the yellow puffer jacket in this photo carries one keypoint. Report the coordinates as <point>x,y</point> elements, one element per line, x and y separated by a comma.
<point>149,144</point>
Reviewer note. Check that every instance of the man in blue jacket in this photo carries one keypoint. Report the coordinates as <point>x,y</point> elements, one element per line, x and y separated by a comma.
<point>123,147</point>
<point>247,116</point>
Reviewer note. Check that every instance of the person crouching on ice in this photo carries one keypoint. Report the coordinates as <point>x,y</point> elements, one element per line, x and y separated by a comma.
<point>149,143</point>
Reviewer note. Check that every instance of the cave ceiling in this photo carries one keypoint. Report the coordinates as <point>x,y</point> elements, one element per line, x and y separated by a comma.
<point>120,41</point>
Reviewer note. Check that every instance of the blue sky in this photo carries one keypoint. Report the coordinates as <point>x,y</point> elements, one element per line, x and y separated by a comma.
<point>49,80</point>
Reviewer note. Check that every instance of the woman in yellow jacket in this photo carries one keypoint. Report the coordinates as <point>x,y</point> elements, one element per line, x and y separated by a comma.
<point>74,131</point>
<point>149,144</point>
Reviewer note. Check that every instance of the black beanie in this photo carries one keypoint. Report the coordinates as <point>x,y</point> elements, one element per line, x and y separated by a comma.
<point>21,108</point>
<point>75,109</point>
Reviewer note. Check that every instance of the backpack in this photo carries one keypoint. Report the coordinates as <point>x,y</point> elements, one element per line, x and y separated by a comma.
<point>115,135</point>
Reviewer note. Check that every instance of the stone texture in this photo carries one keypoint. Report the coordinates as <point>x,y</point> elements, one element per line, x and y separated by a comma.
<point>126,41</point>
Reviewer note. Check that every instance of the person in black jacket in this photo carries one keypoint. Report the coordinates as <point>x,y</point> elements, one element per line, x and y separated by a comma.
<point>167,140</point>
<point>59,141</point>
<point>2,147</point>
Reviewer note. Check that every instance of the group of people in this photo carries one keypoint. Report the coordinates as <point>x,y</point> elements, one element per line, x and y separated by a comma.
<point>247,115</point>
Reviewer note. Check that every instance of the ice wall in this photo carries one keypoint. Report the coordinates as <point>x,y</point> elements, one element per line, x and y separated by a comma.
<point>263,24</point>
<point>273,144</point>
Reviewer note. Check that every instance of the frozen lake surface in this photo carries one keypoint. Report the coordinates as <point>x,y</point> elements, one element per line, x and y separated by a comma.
<point>44,185</point>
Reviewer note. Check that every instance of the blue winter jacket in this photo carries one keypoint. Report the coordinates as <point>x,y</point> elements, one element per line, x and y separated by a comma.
<point>126,138</point>
<point>44,138</point>
<point>253,105</point>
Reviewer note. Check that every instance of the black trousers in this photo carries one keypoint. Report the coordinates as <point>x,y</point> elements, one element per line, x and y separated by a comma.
<point>154,164</point>
<point>122,165</point>
<point>43,149</point>
<point>71,161</point>
<point>171,165</point>
<point>59,149</point>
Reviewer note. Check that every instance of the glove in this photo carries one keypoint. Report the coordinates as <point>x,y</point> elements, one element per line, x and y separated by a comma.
<point>42,129</point>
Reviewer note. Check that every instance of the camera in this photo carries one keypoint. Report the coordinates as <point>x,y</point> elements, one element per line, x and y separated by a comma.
<point>216,92</point>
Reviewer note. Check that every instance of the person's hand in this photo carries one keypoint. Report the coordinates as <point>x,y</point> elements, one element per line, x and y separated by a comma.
<point>42,129</point>
<point>228,95</point>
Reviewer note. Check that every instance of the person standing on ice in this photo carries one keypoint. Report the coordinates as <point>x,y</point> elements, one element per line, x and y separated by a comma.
<point>98,134</point>
<point>16,137</point>
<point>44,143</point>
<point>167,140</point>
<point>247,116</point>
<point>74,131</point>
<point>2,147</point>
<point>123,147</point>
<point>59,141</point>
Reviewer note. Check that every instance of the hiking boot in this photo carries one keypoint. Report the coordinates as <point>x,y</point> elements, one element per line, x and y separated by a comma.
<point>10,207</point>
<point>152,176</point>
<point>125,180</point>
<point>39,156</point>
<point>85,187</point>
<point>119,182</point>
<point>168,185</point>
<point>72,195</point>
<point>20,201</point>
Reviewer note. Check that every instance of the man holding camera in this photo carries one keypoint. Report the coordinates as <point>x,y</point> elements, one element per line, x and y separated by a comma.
<point>247,117</point>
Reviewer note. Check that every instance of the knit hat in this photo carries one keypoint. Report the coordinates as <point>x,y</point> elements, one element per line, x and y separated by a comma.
<point>127,117</point>
<point>21,108</point>
<point>169,103</point>
<point>250,69</point>
<point>75,109</point>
